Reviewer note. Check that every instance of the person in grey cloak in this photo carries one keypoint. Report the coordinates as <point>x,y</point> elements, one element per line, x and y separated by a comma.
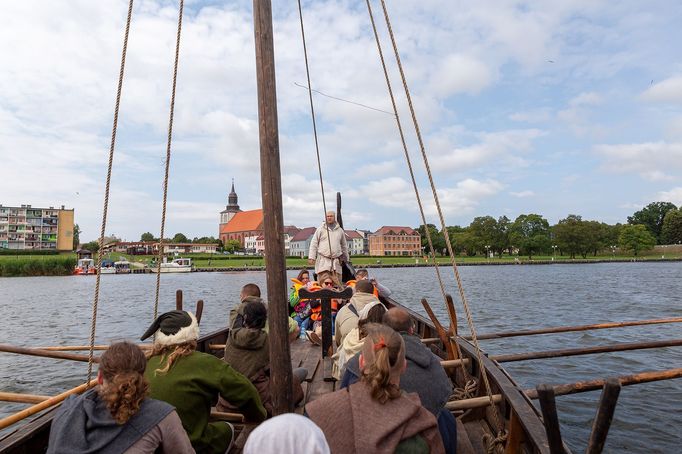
<point>116,416</point>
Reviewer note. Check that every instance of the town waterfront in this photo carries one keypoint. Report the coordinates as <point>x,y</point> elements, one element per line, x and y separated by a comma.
<point>41,311</point>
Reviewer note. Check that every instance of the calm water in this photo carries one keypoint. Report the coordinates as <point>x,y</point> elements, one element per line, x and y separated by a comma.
<point>53,311</point>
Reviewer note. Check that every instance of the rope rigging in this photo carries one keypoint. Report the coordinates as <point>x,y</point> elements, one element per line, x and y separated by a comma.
<point>312,115</point>
<point>460,287</point>
<point>168,157</point>
<point>93,323</point>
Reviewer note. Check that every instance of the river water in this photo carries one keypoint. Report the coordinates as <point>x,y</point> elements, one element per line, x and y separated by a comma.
<point>57,310</point>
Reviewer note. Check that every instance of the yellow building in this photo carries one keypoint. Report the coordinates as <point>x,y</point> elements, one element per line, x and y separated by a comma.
<point>28,228</point>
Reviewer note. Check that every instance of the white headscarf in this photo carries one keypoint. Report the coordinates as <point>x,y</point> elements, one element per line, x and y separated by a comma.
<point>289,433</point>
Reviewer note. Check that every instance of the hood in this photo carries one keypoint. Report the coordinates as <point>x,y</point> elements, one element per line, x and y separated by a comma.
<point>248,338</point>
<point>360,300</point>
<point>415,351</point>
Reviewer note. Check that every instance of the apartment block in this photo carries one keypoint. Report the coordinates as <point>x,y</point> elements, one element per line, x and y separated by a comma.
<point>29,228</point>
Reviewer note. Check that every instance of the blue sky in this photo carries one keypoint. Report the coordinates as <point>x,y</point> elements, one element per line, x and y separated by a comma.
<point>556,108</point>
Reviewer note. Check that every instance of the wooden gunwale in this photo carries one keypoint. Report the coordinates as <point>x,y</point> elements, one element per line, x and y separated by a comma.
<point>514,398</point>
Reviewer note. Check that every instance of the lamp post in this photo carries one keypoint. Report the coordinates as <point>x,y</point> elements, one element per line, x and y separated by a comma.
<point>487,252</point>
<point>554,246</point>
<point>613,252</point>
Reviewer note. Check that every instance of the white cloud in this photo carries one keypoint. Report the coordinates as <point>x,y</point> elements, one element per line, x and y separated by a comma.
<point>540,115</point>
<point>493,149</point>
<point>651,160</point>
<point>674,195</point>
<point>667,91</point>
<point>460,74</point>
<point>522,194</point>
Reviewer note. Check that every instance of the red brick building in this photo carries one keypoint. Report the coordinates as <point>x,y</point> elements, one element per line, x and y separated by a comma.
<point>243,224</point>
<point>392,240</point>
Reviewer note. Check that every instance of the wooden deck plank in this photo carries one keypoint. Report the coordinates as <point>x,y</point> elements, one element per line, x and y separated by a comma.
<point>464,445</point>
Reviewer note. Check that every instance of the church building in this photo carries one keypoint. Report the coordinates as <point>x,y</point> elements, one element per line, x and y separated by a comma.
<point>236,224</point>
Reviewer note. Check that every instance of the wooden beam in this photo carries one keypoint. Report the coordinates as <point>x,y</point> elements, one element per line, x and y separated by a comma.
<point>16,417</point>
<point>22,398</point>
<point>200,310</point>
<point>442,334</point>
<point>586,350</point>
<point>46,353</point>
<point>273,219</point>
<point>566,329</point>
<point>69,348</point>
<point>178,300</point>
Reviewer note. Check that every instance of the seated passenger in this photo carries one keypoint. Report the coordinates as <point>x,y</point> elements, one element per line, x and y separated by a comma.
<point>300,307</point>
<point>251,292</point>
<point>247,350</point>
<point>352,342</point>
<point>347,318</point>
<point>192,381</point>
<point>116,416</point>
<point>363,275</point>
<point>373,415</point>
<point>288,433</point>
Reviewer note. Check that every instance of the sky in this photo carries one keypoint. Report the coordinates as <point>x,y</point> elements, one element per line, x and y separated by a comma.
<point>555,108</point>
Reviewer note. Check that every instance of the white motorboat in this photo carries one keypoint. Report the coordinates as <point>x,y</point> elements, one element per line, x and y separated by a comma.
<point>178,265</point>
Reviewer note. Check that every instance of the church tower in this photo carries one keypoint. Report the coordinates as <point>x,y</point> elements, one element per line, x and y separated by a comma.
<point>232,207</point>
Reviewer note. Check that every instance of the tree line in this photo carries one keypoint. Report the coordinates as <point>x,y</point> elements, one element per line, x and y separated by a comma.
<point>531,234</point>
<point>93,246</point>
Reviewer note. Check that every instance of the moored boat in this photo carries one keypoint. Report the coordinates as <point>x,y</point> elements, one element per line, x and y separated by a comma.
<point>84,267</point>
<point>122,267</point>
<point>179,265</point>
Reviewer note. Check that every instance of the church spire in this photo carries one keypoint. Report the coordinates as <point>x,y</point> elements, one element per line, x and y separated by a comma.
<point>232,200</point>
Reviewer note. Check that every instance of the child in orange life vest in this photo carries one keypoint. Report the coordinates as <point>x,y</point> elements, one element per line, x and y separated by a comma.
<point>315,335</point>
<point>301,307</point>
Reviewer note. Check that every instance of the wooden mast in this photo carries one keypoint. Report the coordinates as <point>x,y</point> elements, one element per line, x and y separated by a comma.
<point>273,222</point>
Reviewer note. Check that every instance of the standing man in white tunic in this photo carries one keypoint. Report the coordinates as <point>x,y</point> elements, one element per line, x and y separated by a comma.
<point>328,248</point>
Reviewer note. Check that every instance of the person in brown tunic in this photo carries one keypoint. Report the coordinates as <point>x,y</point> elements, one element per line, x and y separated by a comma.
<point>374,415</point>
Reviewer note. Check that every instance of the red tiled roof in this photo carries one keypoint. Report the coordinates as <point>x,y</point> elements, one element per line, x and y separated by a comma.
<point>385,230</point>
<point>351,234</point>
<point>304,234</point>
<point>244,221</point>
<point>291,230</point>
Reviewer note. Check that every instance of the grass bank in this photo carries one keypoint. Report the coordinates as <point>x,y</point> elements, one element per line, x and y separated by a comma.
<point>37,265</point>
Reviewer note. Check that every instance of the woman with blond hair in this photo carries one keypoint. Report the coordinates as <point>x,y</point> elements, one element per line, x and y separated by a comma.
<point>192,381</point>
<point>374,415</point>
<point>117,416</point>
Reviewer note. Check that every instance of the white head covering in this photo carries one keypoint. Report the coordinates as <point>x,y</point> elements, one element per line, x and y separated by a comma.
<point>289,433</point>
<point>364,313</point>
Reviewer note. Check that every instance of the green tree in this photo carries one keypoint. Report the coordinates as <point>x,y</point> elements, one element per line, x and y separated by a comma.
<point>232,245</point>
<point>636,238</point>
<point>436,237</point>
<point>652,217</point>
<point>502,238</point>
<point>180,238</point>
<point>671,233</point>
<point>92,246</point>
<point>76,236</point>
<point>148,236</point>
<point>530,233</point>
<point>483,232</point>
<point>568,235</point>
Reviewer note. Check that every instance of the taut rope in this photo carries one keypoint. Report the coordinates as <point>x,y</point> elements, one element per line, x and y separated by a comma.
<point>93,324</point>
<point>467,392</point>
<point>312,114</point>
<point>460,287</point>
<point>168,157</point>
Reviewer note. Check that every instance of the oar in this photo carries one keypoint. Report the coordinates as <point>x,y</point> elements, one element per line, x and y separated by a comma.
<point>22,398</point>
<point>550,418</point>
<point>69,348</point>
<point>586,350</point>
<point>571,388</point>
<point>442,334</point>
<point>46,353</point>
<point>564,329</point>
<point>607,406</point>
<point>16,417</point>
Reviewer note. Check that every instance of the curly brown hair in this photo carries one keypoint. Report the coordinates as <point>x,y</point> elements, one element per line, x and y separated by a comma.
<point>124,386</point>
<point>389,349</point>
<point>174,352</point>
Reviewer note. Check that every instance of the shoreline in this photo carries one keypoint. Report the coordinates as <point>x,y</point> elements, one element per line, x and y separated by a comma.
<point>427,265</point>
